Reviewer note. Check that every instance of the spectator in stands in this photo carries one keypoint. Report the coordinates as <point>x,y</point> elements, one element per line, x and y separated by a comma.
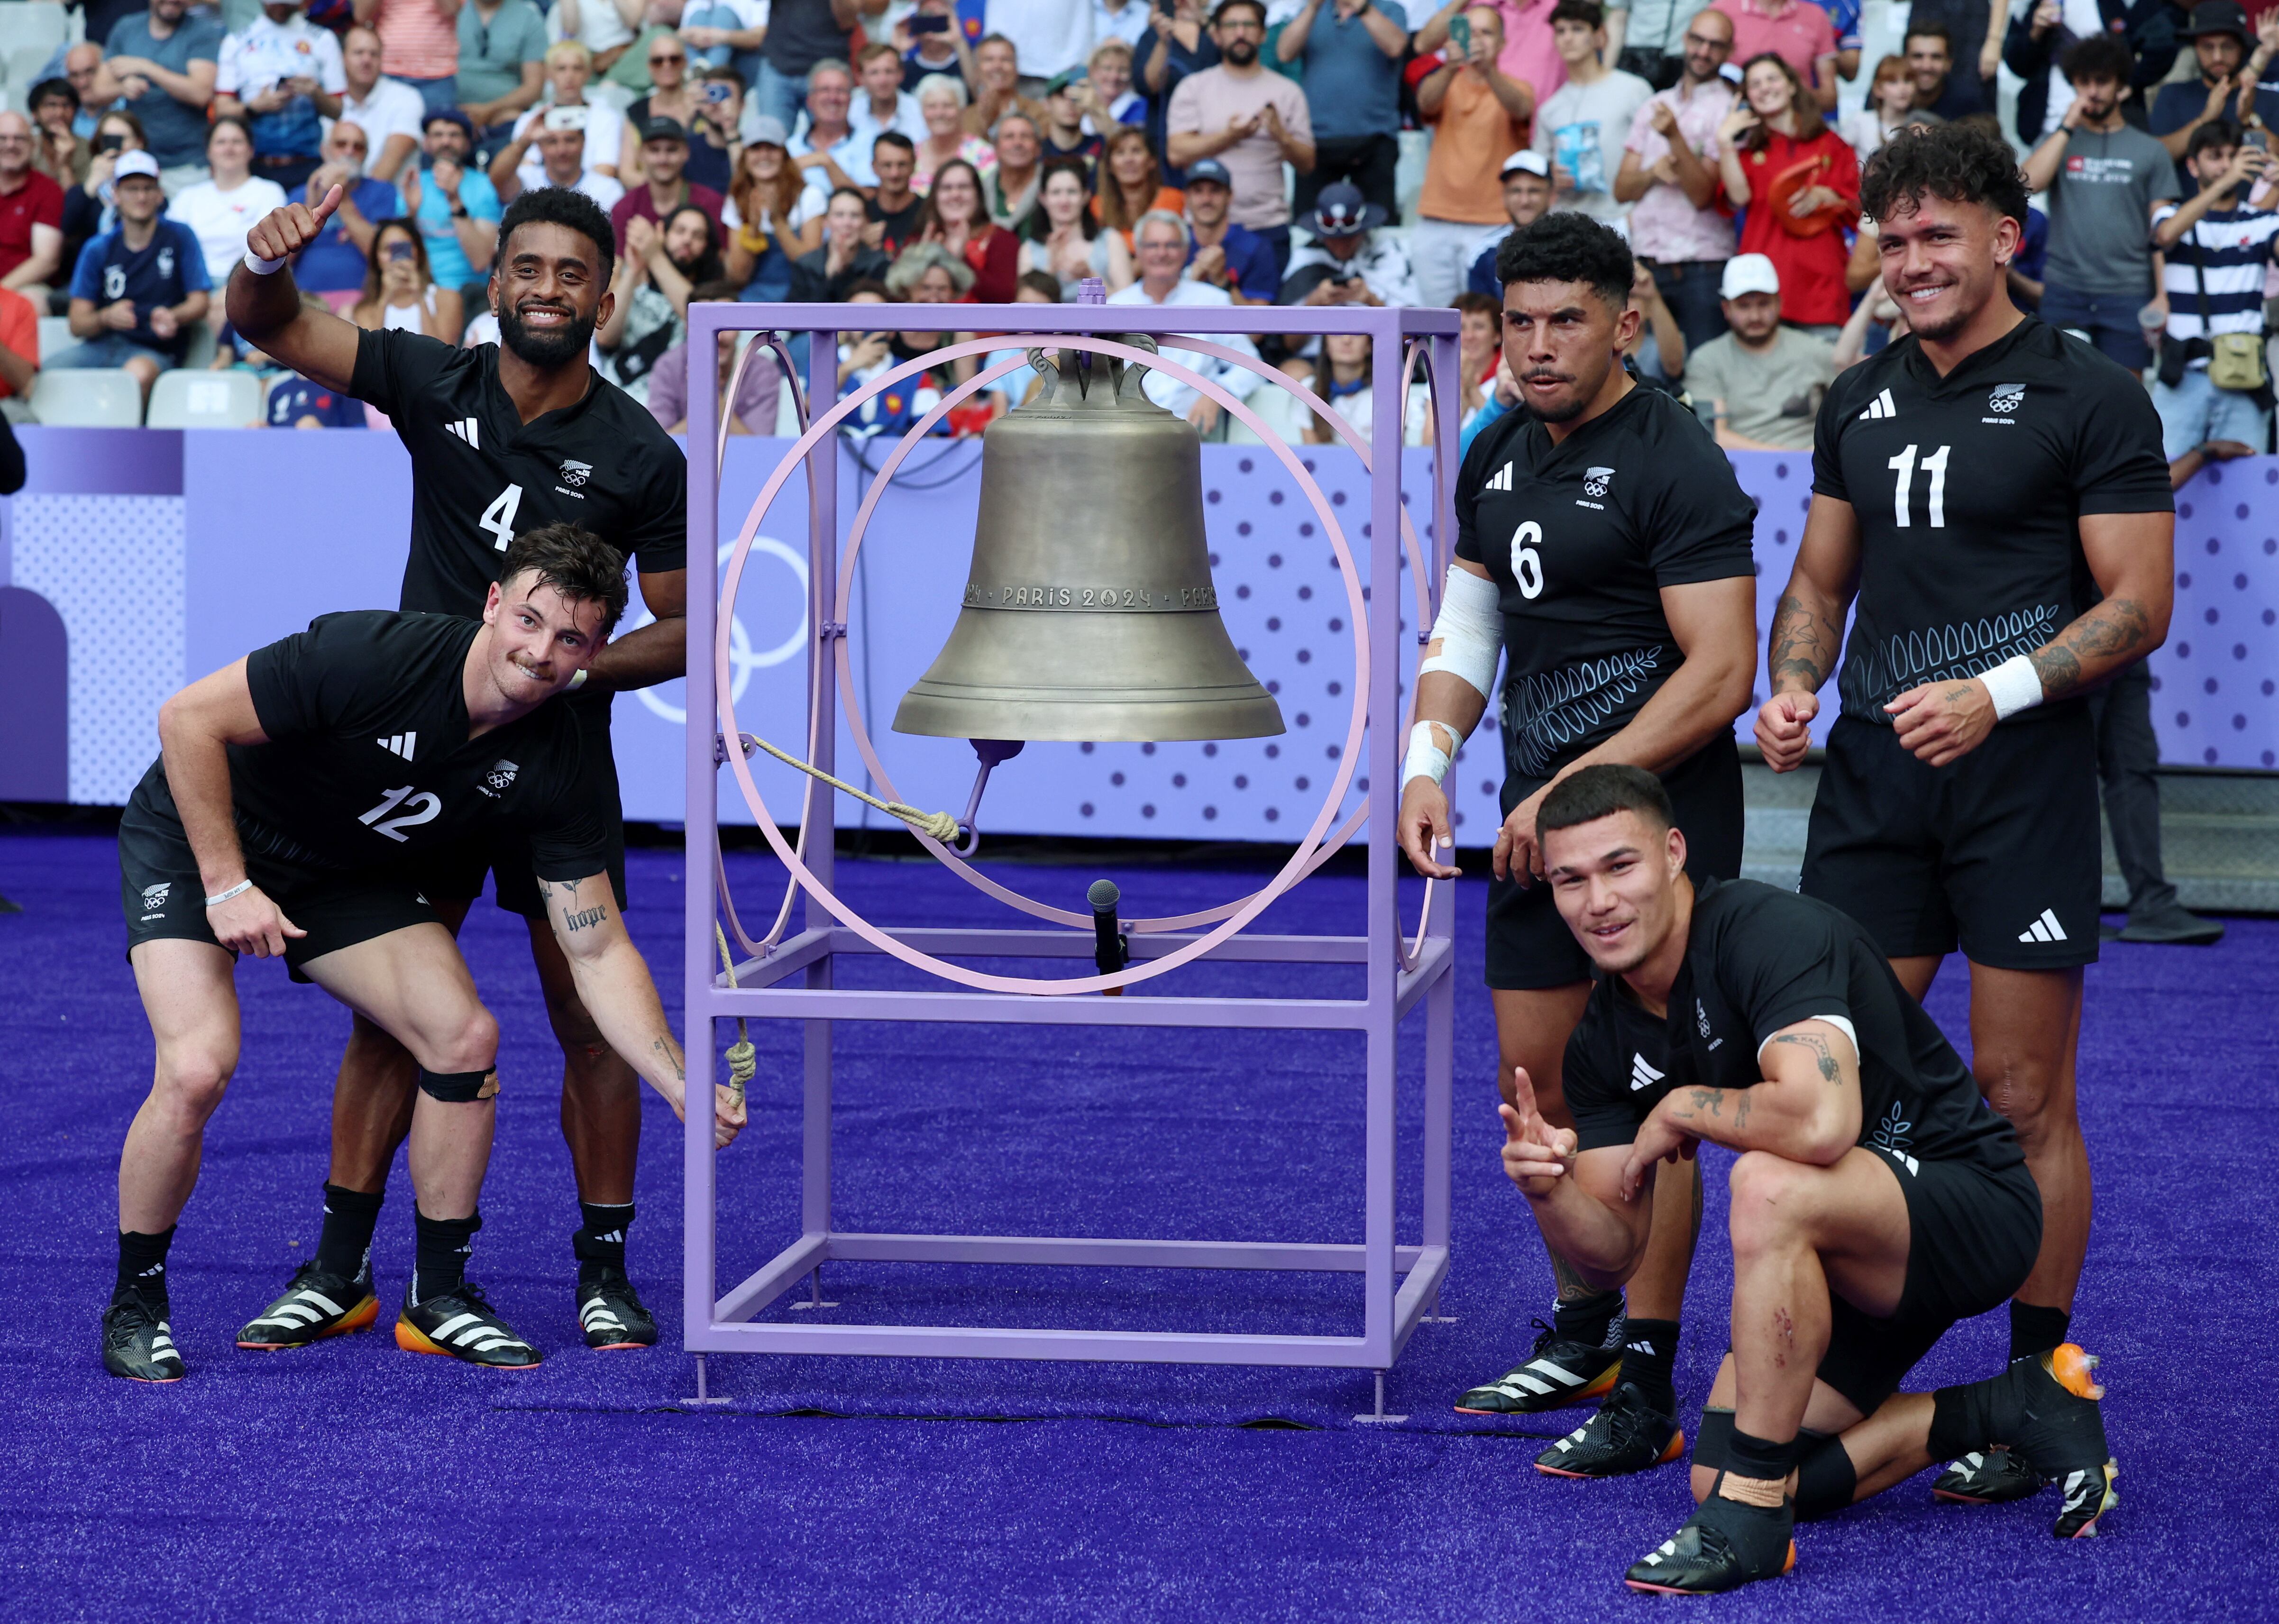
<point>221,211</point>
<point>824,140</point>
<point>569,71</point>
<point>1890,109</point>
<point>894,208</point>
<point>933,41</point>
<point>717,133</point>
<point>1065,135</point>
<point>335,262</point>
<point>1973,30</point>
<point>1657,355</point>
<point>1109,99</point>
<point>1478,114</point>
<point>30,212</point>
<point>457,208</point>
<point>1762,381</point>
<point>1796,31</point>
<point>1130,183</point>
<point>1526,183</point>
<point>800,34</point>
<point>773,215</point>
<point>656,269</point>
<point>941,109</point>
<point>2219,37</point>
<point>303,403</point>
<point>1844,16</point>
<point>1525,51</point>
<point>664,153</point>
<point>1351,52</point>
<point>164,63</point>
<point>561,143</point>
<point>2042,33</point>
<point>1581,126</point>
<point>1349,261</point>
<point>87,207</point>
<point>1177,44</point>
<point>1016,387</point>
<point>502,66</point>
<point>1232,258</point>
<point>1253,121</point>
<point>1163,248</point>
<point>59,151</point>
<point>671,96</point>
<point>727,33</point>
<point>92,81</point>
<point>400,293</point>
<point>863,358</point>
<point>1064,239</point>
<point>996,86</point>
<point>1669,177</point>
<point>881,101</point>
<point>19,355</point>
<point>1010,182</point>
<point>955,217</point>
<point>392,115</point>
<point>1479,349</point>
<point>829,273</point>
<point>2218,248</point>
<point>758,392</point>
<point>1800,185</point>
<point>927,273</point>
<point>283,76</point>
<point>2102,178</point>
<point>606,29</point>
<point>136,291</point>
<point>1940,92</point>
<point>419,46</point>
<point>1049,36</point>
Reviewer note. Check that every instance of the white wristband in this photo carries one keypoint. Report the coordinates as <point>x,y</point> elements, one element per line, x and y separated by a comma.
<point>578,679</point>
<point>2013,685</point>
<point>238,890</point>
<point>1426,759</point>
<point>260,266</point>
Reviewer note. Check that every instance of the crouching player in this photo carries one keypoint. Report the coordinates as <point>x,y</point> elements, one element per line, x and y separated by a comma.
<point>296,791</point>
<point>1877,1200</point>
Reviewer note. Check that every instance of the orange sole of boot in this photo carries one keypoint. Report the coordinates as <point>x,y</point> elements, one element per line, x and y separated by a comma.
<point>1603,1382</point>
<point>411,1339</point>
<point>1676,1448</point>
<point>360,1318</point>
<point>1787,1568</point>
<point>2073,1367</point>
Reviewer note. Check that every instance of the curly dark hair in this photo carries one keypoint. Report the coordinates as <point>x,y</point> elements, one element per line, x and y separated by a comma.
<point>2215,133</point>
<point>575,562</point>
<point>2100,56</point>
<point>558,205</point>
<point>1950,161</point>
<point>1568,247</point>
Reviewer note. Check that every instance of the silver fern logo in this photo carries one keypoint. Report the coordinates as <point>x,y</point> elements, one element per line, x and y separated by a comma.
<point>2006,398</point>
<point>1594,480</point>
<point>154,896</point>
<point>1876,671</point>
<point>1545,712</point>
<point>1893,1135</point>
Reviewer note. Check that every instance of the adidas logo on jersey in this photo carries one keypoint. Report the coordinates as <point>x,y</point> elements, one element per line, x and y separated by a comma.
<point>464,429</point>
<point>1500,481</point>
<point>399,743</point>
<point>1643,1075</point>
<point>1882,406</point>
<point>2046,929</point>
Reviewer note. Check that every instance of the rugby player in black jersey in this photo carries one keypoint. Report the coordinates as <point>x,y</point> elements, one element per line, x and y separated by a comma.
<point>502,439</point>
<point>1602,544</point>
<point>282,818</point>
<point>1876,1199</point>
<point>1994,492</point>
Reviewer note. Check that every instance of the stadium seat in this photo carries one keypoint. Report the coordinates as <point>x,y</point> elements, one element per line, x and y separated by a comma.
<point>25,26</point>
<point>25,61</point>
<point>55,335</point>
<point>88,398</point>
<point>185,399</point>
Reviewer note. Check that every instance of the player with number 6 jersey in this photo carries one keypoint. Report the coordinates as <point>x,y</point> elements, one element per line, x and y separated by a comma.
<point>504,439</point>
<point>1603,549</point>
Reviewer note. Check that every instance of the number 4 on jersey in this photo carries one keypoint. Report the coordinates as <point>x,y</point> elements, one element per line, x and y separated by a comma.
<point>1934,467</point>
<point>498,519</point>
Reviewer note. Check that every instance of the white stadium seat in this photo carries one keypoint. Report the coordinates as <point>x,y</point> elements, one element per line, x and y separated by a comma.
<point>88,398</point>
<point>24,61</point>
<point>37,23</point>
<point>186,399</point>
<point>55,336</point>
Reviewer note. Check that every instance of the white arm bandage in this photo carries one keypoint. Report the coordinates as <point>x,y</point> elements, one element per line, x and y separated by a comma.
<point>1470,629</point>
<point>1426,758</point>
<point>2013,685</point>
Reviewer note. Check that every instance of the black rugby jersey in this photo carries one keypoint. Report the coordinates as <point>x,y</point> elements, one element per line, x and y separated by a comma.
<point>1580,538</point>
<point>480,476</point>
<point>1758,959</point>
<point>1970,491</point>
<point>368,764</point>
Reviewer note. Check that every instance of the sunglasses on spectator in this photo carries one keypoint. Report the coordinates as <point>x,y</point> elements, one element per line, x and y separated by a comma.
<point>1716,45</point>
<point>665,58</point>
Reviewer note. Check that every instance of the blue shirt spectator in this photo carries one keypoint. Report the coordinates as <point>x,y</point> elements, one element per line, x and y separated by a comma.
<point>187,50</point>
<point>1158,78</point>
<point>1243,264</point>
<point>151,262</point>
<point>1351,52</point>
<point>302,403</point>
<point>442,185</point>
<point>260,65</point>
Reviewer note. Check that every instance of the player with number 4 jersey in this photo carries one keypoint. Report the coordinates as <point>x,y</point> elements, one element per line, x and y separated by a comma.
<point>1603,549</point>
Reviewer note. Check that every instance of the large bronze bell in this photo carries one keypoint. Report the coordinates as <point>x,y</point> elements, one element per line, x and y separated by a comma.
<point>1089,610</point>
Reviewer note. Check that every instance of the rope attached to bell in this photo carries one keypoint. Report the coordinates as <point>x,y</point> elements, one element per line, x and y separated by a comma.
<point>743,1059</point>
<point>940,825</point>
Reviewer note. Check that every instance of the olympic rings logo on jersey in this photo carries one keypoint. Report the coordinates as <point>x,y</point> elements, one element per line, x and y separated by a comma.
<point>743,660</point>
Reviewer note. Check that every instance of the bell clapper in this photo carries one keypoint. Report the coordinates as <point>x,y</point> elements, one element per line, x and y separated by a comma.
<point>991,751</point>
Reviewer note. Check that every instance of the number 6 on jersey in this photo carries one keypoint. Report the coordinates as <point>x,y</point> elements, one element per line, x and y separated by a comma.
<point>498,519</point>
<point>1526,562</point>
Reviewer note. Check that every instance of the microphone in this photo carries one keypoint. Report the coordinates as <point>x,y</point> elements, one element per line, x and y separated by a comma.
<point>1110,951</point>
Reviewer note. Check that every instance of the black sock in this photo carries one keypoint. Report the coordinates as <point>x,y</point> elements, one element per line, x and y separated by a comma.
<point>1592,1321</point>
<point>344,1246</point>
<point>2034,1330</point>
<point>1650,1361</point>
<point>142,1263</point>
<point>600,1242</point>
<point>444,1244</point>
<point>1748,1455</point>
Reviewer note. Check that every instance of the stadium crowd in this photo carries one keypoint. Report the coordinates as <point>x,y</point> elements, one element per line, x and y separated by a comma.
<point>1191,152</point>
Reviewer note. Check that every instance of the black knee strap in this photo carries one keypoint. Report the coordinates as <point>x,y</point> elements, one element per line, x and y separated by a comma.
<point>459,1087</point>
<point>1825,1477</point>
<point>1712,1437</point>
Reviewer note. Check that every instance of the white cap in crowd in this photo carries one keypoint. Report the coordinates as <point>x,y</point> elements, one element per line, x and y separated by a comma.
<point>1748,273</point>
<point>135,164</point>
<point>1534,163</point>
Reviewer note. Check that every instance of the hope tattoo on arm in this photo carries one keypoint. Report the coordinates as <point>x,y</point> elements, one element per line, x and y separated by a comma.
<point>585,916</point>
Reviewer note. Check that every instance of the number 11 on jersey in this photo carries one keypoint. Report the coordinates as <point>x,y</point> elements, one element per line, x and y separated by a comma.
<point>1934,467</point>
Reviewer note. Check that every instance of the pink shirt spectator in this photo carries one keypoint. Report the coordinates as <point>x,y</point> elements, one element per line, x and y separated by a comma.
<point>417,40</point>
<point>1529,55</point>
<point>1208,100</point>
<point>1798,32</point>
<point>1664,225</point>
<point>756,398</point>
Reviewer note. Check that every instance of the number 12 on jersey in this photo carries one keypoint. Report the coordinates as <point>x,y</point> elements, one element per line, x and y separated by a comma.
<point>1934,467</point>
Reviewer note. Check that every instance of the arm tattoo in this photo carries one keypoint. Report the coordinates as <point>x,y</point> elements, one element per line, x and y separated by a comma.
<point>2112,633</point>
<point>585,916</point>
<point>1823,1056</point>
<point>1803,646</point>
